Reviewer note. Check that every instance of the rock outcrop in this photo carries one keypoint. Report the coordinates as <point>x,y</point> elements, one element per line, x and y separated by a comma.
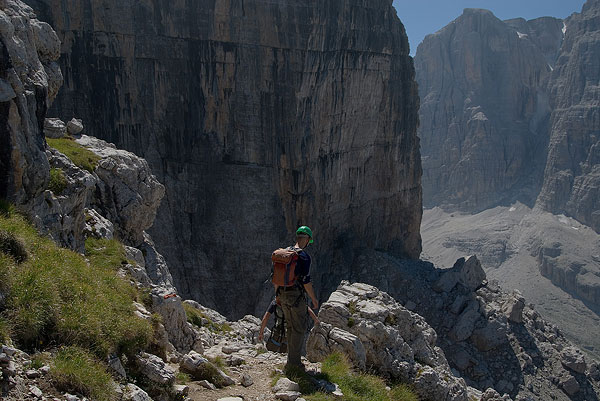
<point>256,119</point>
<point>377,333</point>
<point>484,111</point>
<point>29,81</point>
<point>572,175</point>
<point>477,327</point>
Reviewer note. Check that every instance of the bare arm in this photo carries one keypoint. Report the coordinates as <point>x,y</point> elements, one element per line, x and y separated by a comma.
<point>311,293</point>
<point>314,317</point>
<point>263,324</point>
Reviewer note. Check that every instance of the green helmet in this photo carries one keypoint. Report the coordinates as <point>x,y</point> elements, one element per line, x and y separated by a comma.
<point>305,230</point>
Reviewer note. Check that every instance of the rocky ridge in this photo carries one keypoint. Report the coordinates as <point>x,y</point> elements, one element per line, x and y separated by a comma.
<point>256,119</point>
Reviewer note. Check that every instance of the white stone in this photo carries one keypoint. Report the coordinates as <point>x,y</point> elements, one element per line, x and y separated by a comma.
<point>246,380</point>
<point>35,391</point>
<point>285,384</point>
<point>134,393</point>
<point>54,128</point>
<point>288,395</point>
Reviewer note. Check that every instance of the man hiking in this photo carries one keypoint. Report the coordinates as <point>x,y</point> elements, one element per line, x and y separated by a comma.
<point>291,277</point>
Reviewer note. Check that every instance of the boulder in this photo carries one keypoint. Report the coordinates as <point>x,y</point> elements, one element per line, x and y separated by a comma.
<point>285,384</point>
<point>134,393</point>
<point>97,226</point>
<point>168,304</point>
<point>491,336</point>
<point>570,385</point>
<point>75,126</point>
<point>513,307</point>
<point>572,358</point>
<point>54,128</point>
<point>202,369</point>
<point>466,322</point>
<point>467,272</point>
<point>155,369</point>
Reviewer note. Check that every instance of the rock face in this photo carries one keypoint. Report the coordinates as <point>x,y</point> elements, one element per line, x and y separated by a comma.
<point>572,175</point>
<point>376,332</point>
<point>509,105</point>
<point>484,110</point>
<point>29,81</point>
<point>256,119</point>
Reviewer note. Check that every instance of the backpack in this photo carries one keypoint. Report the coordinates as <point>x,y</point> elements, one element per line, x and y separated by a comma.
<point>277,341</point>
<point>284,267</point>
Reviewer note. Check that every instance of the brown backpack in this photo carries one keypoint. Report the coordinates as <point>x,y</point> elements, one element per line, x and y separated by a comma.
<point>284,267</point>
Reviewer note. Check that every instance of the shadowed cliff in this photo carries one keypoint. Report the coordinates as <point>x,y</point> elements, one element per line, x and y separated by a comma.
<point>257,116</point>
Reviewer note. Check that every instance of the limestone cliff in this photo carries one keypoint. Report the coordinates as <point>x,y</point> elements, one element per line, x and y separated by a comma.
<point>484,110</point>
<point>29,81</point>
<point>257,116</point>
<point>572,175</point>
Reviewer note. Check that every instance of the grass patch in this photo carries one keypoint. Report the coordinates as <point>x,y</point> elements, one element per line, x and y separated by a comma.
<point>58,181</point>
<point>358,386</point>
<point>77,371</point>
<point>352,307</point>
<point>208,371</point>
<point>199,319</point>
<point>79,155</point>
<point>351,322</point>
<point>4,330</point>
<point>58,297</point>
<point>6,208</point>
<point>12,246</point>
<point>182,378</point>
<point>104,252</point>
<point>38,360</point>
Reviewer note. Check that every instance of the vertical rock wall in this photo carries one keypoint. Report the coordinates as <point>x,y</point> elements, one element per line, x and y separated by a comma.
<point>29,81</point>
<point>257,116</point>
<point>572,175</point>
<point>484,110</point>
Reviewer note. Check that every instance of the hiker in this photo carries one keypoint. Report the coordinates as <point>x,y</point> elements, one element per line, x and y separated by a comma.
<point>291,277</point>
<point>277,341</point>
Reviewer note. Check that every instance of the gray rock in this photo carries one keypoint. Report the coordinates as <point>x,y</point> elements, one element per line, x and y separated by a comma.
<point>97,226</point>
<point>71,397</point>
<point>32,374</point>
<point>395,340</point>
<point>129,193</point>
<point>199,367</point>
<point>10,351</point>
<point>75,126</point>
<point>513,308</point>
<point>288,395</point>
<point>155,369</point>
<point>35,391</point>
<point>207,384</point>
<point>230,399</point>
<point>134,393</point>
<point>491,336</point>
<point>54,128</point>
<point>181,390</point>
<point>168,304</point>
<point>285,384</point>
<point>570,385</point>
<point>246,380</point>
<point>465,323</point>
<point>573,358</point>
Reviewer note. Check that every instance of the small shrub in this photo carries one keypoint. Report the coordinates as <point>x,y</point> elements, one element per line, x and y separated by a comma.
<point>218,361</point>
<point>37,361</point>
<point>351,322</point>
<point>194,316</point>
<point>182,378</point>
<point>76,370</point>
<point>58,181</point>
<point>390,319</point>
<point>79,155</point>
<point>352,307</point>
<point>12,246</point>
<point>199,319</point>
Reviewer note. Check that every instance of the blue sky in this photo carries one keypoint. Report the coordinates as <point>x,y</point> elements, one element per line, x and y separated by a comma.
<point>423,17</point>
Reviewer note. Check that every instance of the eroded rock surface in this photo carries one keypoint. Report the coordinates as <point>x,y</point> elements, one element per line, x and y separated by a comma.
<point>572,175</point>
<point>256,119</point>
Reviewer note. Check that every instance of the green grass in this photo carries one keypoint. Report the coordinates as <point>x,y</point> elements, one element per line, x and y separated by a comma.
<point>56,297</point>
<point>199,319</point>
<point>58,181</point>
<point>12,246</point>
<point>182,378</point>
<point>4,330</point>
<point>77,371</point>
<point>79,155</point>
<point>357,386</point>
